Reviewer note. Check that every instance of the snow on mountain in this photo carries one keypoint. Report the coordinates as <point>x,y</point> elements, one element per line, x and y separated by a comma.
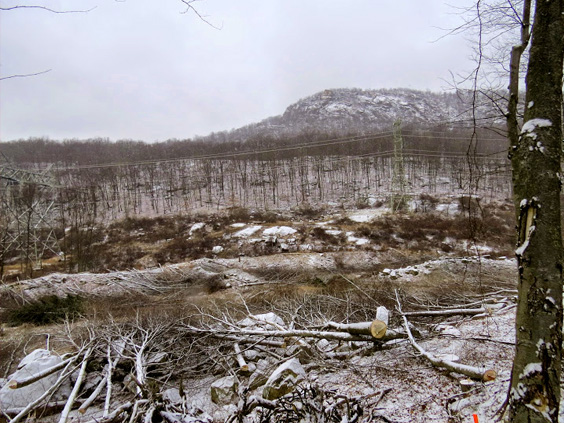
<point>354,110</point>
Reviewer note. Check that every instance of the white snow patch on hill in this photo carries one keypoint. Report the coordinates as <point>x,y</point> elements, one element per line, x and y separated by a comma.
<point>244,233</point>
<point>279,231</point>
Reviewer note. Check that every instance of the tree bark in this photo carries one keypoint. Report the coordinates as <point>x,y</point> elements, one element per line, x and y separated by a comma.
<point>536,156</point>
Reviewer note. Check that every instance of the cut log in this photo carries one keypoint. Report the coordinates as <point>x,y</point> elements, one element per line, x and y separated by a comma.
<point>376,329</point>
<point>337,336</point>
<point>243,366</point>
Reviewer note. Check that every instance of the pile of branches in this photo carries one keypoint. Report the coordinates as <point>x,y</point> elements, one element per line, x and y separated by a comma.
<point>135,363</point>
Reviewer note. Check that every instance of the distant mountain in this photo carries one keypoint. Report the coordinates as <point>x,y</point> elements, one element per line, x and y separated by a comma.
<point>353,110</point>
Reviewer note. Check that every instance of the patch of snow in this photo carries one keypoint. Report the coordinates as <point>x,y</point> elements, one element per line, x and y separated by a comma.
<point>365,216</point>
<point>244,233</point>
<point>528,129</point>
<point>530,369</point>
<point>333,232</point>
<point>530,125</point>
<point>521,249</point>
<point>448,330</point>
<point>279,231</point>
<point>238,225</point>
<point>196,227</point>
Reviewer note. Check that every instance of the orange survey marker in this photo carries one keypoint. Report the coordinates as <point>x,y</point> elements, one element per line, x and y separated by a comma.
<point>475,418</point>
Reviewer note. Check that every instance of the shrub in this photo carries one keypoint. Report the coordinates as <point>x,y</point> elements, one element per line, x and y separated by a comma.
<point>427,203</point>
<point>238,214</point>
<point>47,310</point>
<point>310,212</point>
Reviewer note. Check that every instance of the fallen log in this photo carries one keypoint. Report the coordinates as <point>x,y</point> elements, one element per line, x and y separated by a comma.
<point>243,366</point>
<point>376,329</point>
<point>297,333</point>
<point>479,373</point>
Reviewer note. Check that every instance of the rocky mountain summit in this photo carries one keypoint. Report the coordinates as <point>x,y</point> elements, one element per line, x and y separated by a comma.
<point>354,110</point>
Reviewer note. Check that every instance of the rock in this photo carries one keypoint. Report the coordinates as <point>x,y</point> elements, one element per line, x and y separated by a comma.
<point>323,345</point>
<point>260,375</point>
<point>129,384</point>
<point>91,381</point>
<point>224,390</point>
<point>268,321</point>
<point>251,354</point>
<point>284,379</point>
<point>172,396</point>
<point>32,364</point>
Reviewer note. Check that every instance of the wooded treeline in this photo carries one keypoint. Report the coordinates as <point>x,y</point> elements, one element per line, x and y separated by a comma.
<point>38,152</point>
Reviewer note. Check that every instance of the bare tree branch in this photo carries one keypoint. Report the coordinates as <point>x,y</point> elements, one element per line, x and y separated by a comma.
<point>203,18</point>
<point>26,75</point>
<point>47,9</point>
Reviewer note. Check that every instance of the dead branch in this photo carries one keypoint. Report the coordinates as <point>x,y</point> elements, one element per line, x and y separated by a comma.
<point>113,416</point>
<point>479,373</point>
<point>76,387</point>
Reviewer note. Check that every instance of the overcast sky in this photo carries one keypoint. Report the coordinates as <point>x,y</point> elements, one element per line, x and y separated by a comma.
<point>140,69</point>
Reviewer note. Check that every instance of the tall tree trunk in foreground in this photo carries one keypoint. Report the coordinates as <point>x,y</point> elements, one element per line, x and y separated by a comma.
<point>535,156</point>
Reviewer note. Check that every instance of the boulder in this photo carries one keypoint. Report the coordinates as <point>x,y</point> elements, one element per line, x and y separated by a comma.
<point>32,364</point>
<point>172,396</point>
<point>268,321</point>
<point>224,390</point>
<point>284,379</point>
<point>260,375</point>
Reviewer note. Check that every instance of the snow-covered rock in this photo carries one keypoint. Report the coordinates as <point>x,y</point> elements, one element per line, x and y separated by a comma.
<point>224,390</point>
<point>263,321</point>
<point>284,379</point>
<point>197,227</point>
<point>32,364</point>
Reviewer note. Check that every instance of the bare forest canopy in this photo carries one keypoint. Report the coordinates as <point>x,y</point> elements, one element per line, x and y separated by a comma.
<point>39,152</point>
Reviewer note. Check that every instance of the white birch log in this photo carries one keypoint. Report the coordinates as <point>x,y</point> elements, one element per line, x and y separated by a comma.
<point>376,328</point>
<point>337,336</point>
<point>93,396</point>
<point>72,397</point>
<point>243,366</point>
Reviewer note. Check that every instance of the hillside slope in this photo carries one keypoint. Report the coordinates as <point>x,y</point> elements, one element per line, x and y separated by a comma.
<point>353,110</point>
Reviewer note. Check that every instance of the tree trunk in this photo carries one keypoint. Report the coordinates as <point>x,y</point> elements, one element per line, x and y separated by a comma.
<point>535,383</point>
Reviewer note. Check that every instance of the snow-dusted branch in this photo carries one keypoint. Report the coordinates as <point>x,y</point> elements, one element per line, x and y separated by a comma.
<point>479,373</point>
